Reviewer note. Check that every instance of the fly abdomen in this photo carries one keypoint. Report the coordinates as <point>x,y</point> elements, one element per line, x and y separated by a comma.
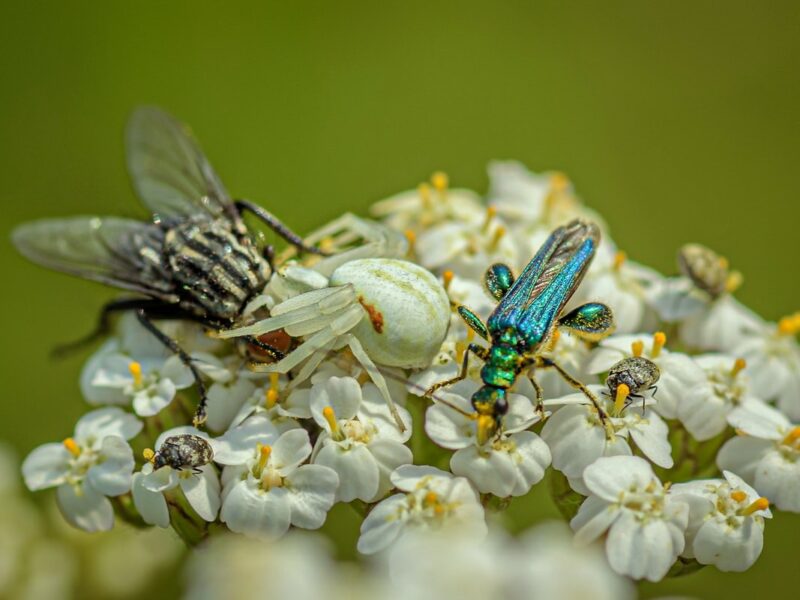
<point>217,273</point>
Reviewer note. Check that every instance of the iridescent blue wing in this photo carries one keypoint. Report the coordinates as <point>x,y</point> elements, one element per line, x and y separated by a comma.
<point>169,170</point>
<point>539,294</point>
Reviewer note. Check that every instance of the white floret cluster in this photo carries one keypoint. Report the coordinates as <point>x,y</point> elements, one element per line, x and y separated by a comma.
<point>680,478</point>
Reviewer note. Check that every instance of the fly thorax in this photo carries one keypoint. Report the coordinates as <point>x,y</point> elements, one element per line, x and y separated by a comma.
<point>217,271</point>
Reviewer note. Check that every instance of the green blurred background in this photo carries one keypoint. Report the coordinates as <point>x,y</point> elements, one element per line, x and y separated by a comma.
<point>677,121</point>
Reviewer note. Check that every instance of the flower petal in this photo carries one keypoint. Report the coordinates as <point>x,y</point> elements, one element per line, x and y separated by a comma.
<point>112,477</point>
<point>290,450</point>
<point>46,466</point>
<point>357,469</point>
<point>85,508</point>
<point>249,510</point>
<point>202,492</point>
<point>106,421</point>
<point>237,446</point>
<point>383,525</point>
<point>313,492</point>
<point>152,506</point>
<point>608,476</point>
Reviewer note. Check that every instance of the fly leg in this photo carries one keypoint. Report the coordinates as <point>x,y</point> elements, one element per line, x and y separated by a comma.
<point>541,362</point>
<point>200,414</point>
<point>478,351</point>
<point>277,226</point>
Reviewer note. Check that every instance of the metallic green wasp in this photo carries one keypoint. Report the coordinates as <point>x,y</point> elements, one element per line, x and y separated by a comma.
<point>525,318</point>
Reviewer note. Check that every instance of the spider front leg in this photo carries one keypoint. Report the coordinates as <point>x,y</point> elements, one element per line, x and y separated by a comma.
<point>478,351</point>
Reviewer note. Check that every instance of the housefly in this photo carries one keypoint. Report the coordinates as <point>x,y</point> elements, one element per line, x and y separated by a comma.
<point>194,259</point>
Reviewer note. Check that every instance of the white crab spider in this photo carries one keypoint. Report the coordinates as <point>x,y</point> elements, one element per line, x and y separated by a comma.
<point>385,309</point>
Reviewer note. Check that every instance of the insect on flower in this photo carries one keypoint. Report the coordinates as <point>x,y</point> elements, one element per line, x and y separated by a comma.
<point>525,318</point>
<point>630,377</point>
<point>385,310</point>
<point>195,258</point>
<point>184,451</point>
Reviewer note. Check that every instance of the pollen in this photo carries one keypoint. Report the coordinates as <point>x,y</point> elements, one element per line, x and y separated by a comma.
<point>135,370</point>
<point>739,365</point>
<point>148,454</point>
<point>619,401</point>
<point>447,279</point>
<point>559,182</point>
<point>738,496</point>
<point>491,213</point>
<point>263,456</point>
<point>790,324</point>
<point>792,437</point>
<point>619,259</point>
<point>424,191</point>
<point>499,233</point>
<point>659,340</point>
<point>760,504</point>
<point>440,181</point>
<point>72,447</point>
<point>734,282</point>
<point>330,417</point>
<point>411,237</point>
<point>637,348</point>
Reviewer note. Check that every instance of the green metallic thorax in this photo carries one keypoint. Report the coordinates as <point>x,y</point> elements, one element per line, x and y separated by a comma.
<point>501,366</point>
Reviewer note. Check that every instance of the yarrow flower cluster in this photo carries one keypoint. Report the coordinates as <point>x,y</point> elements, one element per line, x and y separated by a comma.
<point>665,441</point>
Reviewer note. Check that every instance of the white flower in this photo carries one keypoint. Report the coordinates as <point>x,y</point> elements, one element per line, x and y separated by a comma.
<point>577,436</point>
<point>267,487</point>
<point>726,522</point>
<point>773,356</point>
<point>622,285</point>
<point>280,407</point>
<point>200,489</point>
<point>96,462</point>
<point>679,373</point>
<point>704,408</point>
<point>766,454</point>
<point>509,464</point>
<point>571,353</point>
<point>427,205</point>
<point>645,524</point>
<point>359,438</point>
<point>547,565</point>
<point>430,498</point>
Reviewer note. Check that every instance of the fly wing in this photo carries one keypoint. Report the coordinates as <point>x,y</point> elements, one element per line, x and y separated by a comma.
<point>109,250</point>
<point>169,170</point>
<point>547,283</point>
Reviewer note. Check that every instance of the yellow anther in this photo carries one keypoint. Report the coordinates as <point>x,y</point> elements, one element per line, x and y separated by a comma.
<point>271,398</point>
<point>263,455</point>
<point>619,259</point>
<point>623,391</point>
<point>739,365</point>
<point>559,182</point>
<point>790,324</point>
<point>447,279</point>
<point>411,237</point>
<point>792,437</point>
<point>148,454</point>
<point>424,191</point>
<point>637,348</point>
<point>461,346</point>
<point>498,235</point>
<point>440,181</point>
<point>760,504</point>
<point>431,498</point>
<point>274,380</point>
<point>734,281</point>
<point>738,496</point>
<point>659,340</point>
<point>330,417</point>
<point>135,370</point>
<point>486,428</point>
<point>491,213</point>
<point>72,447</point>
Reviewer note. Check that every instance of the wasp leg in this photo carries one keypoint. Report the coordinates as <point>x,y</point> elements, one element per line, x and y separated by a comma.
<point>200,414</point>
<point>474,322</point>
<point>539,395</point>
<point>275,224</point>
<point>541,362</point>
<point>478,351</point>
<point>103,326</point>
